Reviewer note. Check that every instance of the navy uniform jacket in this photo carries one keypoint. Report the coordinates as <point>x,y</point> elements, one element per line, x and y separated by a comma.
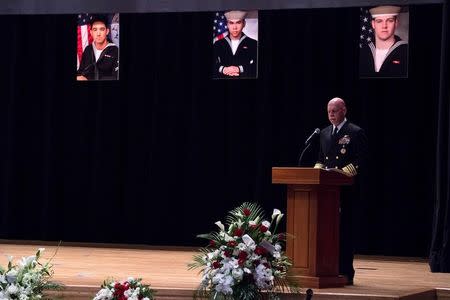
<point>106,67</point>
<point>245,57</point>
<point>394,65</point>
<point>346,151</point>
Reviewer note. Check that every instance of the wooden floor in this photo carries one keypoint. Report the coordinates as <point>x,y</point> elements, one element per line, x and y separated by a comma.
<point>83,268</point>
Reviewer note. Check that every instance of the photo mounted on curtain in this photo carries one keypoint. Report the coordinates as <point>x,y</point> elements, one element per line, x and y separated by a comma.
<point>235,42</point>
<point>384,42</point>
<point>98,47</point>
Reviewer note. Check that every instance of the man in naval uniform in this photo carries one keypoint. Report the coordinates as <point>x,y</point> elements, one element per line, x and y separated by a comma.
<point>343,146</point>
<point>100,59</point>
<point>236,54</point>
<point>387,56</point>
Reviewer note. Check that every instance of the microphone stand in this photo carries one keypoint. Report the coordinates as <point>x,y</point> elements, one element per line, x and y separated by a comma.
<point>301,155</point>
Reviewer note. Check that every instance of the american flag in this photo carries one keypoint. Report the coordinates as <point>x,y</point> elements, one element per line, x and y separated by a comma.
<point>366,31</point>
<point>220,29</point>
<point>83,36</point>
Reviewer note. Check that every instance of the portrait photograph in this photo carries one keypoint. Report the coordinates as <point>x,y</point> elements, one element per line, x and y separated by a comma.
<point>235,43</point>
<point>98,47</point>
<point>383,42</point>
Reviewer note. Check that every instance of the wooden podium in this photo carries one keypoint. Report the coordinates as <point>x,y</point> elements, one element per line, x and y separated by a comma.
<point>313,220</point>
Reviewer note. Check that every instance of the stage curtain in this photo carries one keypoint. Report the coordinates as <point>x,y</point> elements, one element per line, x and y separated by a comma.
<point>162,154</point>
<point>440,247</point>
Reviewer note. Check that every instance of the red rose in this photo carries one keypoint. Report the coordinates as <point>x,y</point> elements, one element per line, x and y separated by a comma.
<point>242,255</point>
<point>232,244</point>
<point>260,250</point>
<point>266,265</point>
<point>281,236</point>
<point>247,212</point>
<point>238,232</point>
<point>263,228</point>
<point>216,264</point>
<point>227,253</point>
<point>212,243</point>
<point>241,261</point>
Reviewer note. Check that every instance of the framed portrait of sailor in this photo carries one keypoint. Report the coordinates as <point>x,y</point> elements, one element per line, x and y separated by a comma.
<point>383,42</point>
<point>97,47</point>
<point>235,44</point>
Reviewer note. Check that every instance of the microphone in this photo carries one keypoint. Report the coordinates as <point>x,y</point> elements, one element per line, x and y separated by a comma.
<point>316,132</point>
<point>307,143</point>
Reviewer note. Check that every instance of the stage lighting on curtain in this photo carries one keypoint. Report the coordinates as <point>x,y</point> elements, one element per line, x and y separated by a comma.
<point>97,47</point>
<point>235,42</point>
<point>383,42</point>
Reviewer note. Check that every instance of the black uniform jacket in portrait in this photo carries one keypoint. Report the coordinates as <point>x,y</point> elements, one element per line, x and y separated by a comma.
<point>245,57</point>
<point>394,65</point>
<point>347,150</point>
<point>106,67</point>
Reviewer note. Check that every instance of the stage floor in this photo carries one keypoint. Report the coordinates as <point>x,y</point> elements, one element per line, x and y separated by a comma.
<point>82,269</point>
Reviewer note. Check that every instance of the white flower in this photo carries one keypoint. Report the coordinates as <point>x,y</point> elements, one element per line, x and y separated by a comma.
<point>104,294</point>
<point>265,224</point>
<point>279,218</point>
<point>277,247</point>
<point>276,254</point>
<point>239,223</point>
<point>239,214</point>
<point>228,238</point>
<point>11,276</point>
<point>221,226</point>
<point>252,223</point>
<point>23,297</point>
<point>237,274</point>
<point>268,233</point>
<point>2,279</point>
<point>223,283</point>
<point>241,246</point>
<point>263,277</point>
<point>275,213</point>
<point>254,257</point>
<point>12,289</point>
<point>27,261</point>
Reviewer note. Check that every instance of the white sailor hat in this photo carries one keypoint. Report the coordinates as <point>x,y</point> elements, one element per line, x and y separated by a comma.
<point>235,15</point>
<point>386,10</point>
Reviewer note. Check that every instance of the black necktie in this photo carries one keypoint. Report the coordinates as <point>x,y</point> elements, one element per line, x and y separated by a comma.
<point>335,130</point>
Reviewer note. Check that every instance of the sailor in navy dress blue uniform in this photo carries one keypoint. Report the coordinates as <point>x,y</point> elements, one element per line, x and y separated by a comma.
<point>387,55</point>
<point>236,54</point>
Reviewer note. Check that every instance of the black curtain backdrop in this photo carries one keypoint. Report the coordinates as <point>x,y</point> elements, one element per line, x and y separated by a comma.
<point>440,248</point>
<point>162,154</point>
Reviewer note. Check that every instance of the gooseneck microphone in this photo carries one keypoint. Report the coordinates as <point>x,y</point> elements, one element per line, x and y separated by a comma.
<point>308,143</point>
<point>316,132</point>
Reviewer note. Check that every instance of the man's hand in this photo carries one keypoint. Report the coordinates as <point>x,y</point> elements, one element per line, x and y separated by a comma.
<point>80,78</point>
<point>231,71</point>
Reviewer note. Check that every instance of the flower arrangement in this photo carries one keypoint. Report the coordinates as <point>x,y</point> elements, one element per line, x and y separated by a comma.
<point>244,260</point>
<point>131,289</point>
<point>27,279</point>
